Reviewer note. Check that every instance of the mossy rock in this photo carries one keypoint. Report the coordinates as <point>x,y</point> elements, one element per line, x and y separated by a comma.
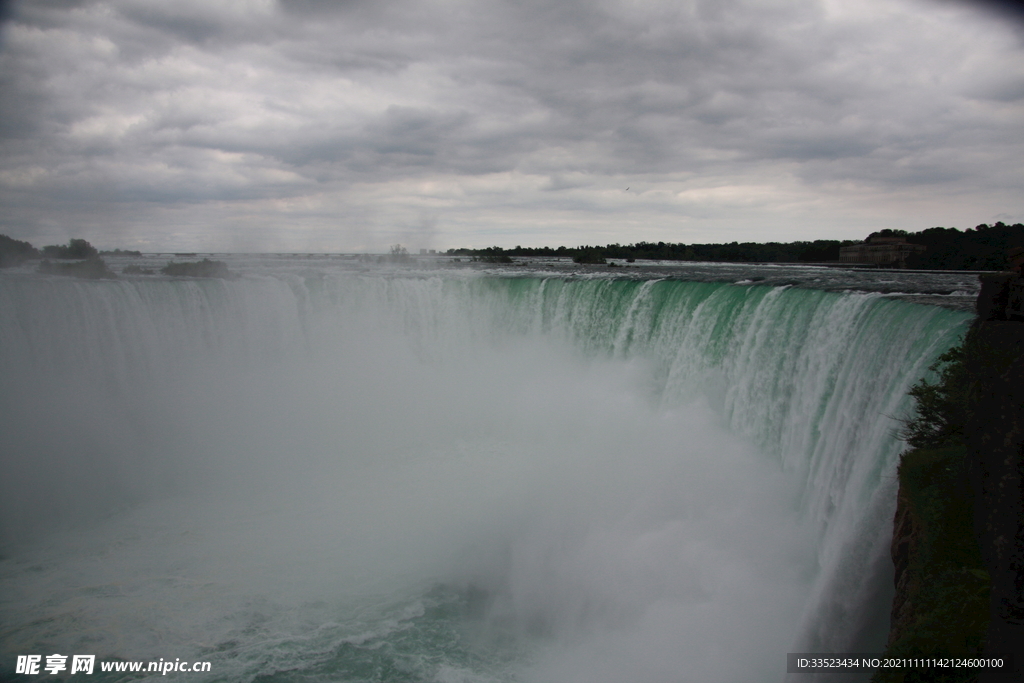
<point>949,587</point>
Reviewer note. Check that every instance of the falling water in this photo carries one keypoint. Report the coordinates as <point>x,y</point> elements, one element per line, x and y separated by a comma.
<point>327,474</point>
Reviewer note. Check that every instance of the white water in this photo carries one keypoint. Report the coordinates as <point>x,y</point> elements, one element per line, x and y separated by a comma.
<point>466,478</point>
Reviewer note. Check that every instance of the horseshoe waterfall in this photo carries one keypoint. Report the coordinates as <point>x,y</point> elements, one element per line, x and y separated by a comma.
<point>327,474</point>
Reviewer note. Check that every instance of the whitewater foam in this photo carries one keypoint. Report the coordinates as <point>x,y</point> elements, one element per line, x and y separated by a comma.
<point>363,476</point>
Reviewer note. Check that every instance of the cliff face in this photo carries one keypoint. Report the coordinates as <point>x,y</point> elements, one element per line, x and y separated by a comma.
<point>940,606</point>
<point>905,536</point>
<point>958,535</point>
<point>995,446</point>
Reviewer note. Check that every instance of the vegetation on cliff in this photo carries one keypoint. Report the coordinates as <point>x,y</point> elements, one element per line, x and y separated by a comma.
<point>941,606</point>
<point>941,407</point>
<point>942,586</point>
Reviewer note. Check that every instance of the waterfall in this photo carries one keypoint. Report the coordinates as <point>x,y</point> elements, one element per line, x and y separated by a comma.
<point>616,464</point>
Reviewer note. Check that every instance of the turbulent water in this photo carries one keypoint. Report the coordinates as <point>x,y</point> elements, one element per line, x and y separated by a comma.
<point>331,472</point>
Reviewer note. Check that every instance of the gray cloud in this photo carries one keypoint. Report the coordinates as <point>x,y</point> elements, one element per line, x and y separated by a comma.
<point>508,113</point>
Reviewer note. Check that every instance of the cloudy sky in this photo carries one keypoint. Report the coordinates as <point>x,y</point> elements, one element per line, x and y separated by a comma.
<point>349,125</point>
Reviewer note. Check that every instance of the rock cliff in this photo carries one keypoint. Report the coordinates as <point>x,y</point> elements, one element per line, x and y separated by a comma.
<point>994,438</point>
<point>958,534</point>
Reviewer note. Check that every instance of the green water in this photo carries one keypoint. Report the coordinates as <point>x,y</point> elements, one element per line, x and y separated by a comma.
<point>338,476</point>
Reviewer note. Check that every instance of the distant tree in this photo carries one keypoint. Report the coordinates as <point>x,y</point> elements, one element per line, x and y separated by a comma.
<point>888,232</point>
<point>493,255</point>
<point>983,248</point>
<point>78,248</point>
<point>820,250</point>
<point>589,255</point>
<point>74,249</point>
<point>399,254</point>
<point>13,252</point>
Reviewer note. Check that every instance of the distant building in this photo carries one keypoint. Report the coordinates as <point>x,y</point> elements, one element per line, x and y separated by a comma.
<point>881,251</point>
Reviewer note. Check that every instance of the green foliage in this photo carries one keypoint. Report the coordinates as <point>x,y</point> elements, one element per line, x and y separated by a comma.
<point>492,255</point>
<point>74,249</point>
<point>889,233</point>
<point>982,248</point>
<point>936,482</point>
<point>587,255</point>
<point>204,268</point>
<point>78,248</point>
<point>820,251</point>
<point>941,406</point>
<point>13,252</point>
<point>949,588</point>
<point>746,252</point>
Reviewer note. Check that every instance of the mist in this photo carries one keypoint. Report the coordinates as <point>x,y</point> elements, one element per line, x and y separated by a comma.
<point>284,472</point>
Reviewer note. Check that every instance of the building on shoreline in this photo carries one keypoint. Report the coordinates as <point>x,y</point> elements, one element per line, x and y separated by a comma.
<point>881,251</point>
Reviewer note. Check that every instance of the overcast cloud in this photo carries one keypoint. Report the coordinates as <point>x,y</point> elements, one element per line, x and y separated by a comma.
<point>316,125</point>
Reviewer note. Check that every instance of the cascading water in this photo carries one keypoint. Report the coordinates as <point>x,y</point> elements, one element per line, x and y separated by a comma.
<point>335,475</point>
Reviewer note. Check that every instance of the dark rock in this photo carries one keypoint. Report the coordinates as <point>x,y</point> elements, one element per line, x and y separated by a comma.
<point>995,443</point>
<point>904,544</point>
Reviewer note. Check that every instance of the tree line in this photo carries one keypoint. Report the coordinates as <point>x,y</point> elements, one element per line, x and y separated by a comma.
<point>742,252</point>
<point>983,247</point>
<point>14,252</point>
<point>83,260</point>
